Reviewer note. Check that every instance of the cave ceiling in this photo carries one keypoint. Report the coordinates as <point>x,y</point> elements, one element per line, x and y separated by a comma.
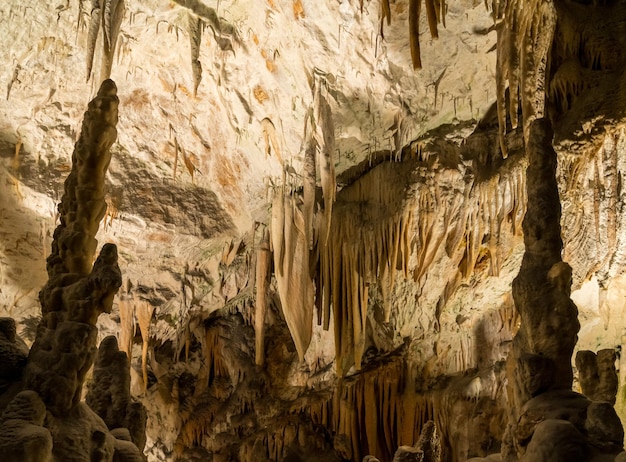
<point>198,156</point>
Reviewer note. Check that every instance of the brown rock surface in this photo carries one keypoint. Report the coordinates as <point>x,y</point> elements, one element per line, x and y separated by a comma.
<point>597,375</point>
<point>109,394</point>
<point>23,436</point>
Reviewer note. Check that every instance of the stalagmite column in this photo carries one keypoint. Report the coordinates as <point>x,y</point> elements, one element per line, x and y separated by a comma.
<point>76,293</point>
<point>543,346</point>
<point>548,421</point>
<point>109,395</point>
<point>597,374</point>
<point>549,328</point>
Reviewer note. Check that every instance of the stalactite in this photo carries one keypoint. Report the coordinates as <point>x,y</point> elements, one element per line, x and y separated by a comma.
<point>195,40</point>
<point>525,37</point>
<point>323,133</point>
<point>263,262</point>
<point>376,411</point>
<point>144,311</point>
<point>308,179</point>
<point>297,235</point>
<point>430,233</point>
<point>593,222</point>
<point>414,30</point>
<point>366,243</point>
<point>271,139</point>
<point>369,246</point>
<point>213,353</point>
<point>566,83</point>
<point>92,38</point>
<point>291,263</point>
<point>106,15</point>
<point>435,13</point>
<point>127,325</point>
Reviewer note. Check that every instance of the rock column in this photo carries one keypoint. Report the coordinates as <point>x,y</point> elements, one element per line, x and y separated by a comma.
<point>549,421</point>
<point>543,346</point>
<point>77,292</point>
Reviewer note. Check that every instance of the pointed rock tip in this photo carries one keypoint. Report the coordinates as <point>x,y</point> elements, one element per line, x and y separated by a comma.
<point>108,88</point>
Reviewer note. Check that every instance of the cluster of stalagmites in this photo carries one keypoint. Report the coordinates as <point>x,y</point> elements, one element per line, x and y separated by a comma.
<point>43,418</point>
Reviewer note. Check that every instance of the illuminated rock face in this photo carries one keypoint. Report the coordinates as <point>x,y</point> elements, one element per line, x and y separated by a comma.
<point>318,244</point>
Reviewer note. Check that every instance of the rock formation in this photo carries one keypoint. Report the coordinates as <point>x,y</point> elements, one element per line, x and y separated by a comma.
<point>548,421</point>
<point>48,421</point>
<point>109,394</point>
<point>13,354</point>
<point>597,375</point>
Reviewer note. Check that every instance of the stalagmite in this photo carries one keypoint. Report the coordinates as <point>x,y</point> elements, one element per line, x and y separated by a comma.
<point>540,362</point>
<point>597,375</point>
<point>77,292</point>
<point>543,251</point>
<point>109,395</point>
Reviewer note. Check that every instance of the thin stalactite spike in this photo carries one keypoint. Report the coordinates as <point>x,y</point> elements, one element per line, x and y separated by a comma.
<point>432,18</point>
<point>92,36</point>
<point>414,40</point>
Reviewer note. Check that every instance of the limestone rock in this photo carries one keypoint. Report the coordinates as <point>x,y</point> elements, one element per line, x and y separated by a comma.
<point>489,458</point>
<point>535,373</point>
<point>82,436</point>
<point>597,375</point>
<point>109,394</point>
<point>556,441</point>
<point>22,435</point>
<point>543,346</point>
<point>604,426</point>
<point>126,451</point>
<point>462,227</point>
<point>13,356</point>
<point>555,405</point>
<point>77,292</point>
<point>408,454</point>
